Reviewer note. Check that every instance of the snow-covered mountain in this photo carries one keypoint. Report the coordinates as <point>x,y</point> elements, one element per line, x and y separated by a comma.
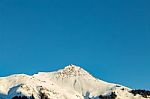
<point>72,82</point>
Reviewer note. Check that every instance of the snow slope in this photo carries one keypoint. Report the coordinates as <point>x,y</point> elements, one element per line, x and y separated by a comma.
<point>72,82</point>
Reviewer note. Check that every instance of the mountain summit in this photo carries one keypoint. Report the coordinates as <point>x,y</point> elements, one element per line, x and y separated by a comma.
<point>72,82</point>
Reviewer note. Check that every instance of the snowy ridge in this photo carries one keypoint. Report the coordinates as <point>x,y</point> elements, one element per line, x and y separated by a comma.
<point>72,82</point>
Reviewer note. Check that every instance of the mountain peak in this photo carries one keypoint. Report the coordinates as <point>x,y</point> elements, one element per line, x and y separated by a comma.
<point>72,67</point>
<point>72,70</point>
<point>72,82</point>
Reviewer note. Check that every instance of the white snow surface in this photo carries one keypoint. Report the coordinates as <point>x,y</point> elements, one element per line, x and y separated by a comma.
<point>72,82</point>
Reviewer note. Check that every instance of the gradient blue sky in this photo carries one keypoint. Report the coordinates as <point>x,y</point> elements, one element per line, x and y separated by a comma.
<point>108,38</point>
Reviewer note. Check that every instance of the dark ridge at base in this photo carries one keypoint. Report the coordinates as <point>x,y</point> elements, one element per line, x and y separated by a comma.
<point>23,97</point>
<point>143,93</point>
<point>111,96</point>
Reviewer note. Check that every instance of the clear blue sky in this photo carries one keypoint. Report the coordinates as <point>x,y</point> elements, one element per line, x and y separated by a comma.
<point>108,38</point>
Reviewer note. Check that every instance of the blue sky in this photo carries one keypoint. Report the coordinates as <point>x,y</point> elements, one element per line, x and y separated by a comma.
<point>108,38</point>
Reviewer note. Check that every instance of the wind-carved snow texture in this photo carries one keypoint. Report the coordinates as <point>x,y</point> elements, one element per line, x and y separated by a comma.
<point>72,82</point>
